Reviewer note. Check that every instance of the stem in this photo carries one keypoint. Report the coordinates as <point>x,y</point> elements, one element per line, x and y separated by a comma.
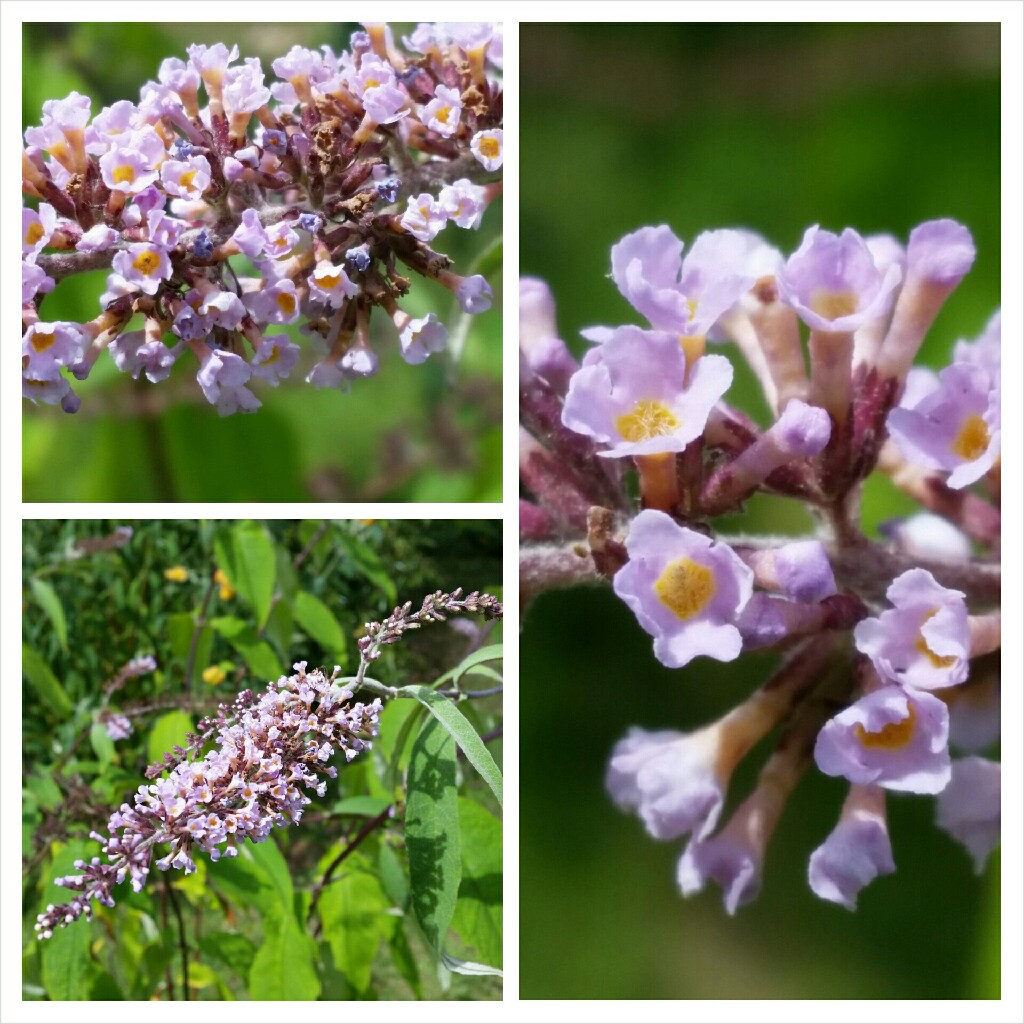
<point>365,831</point>
<point>194,643</point>
<point>182,943</point>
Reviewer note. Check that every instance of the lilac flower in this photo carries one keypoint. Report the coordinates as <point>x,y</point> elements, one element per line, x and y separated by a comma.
<point>34,280</point>
<point>422,336</point>
<point>630,394</point>
<point>672,780</point>
<point>923,641</point>
<point>488,147</point>
<point>45,346</point>
<point>442,113</point>
<point>974,712</point>
<point>968,808</point>
<point>127,170</point>
<point>144,265</point>
<point>250,236</point>
<point>98,238</point>
<point>542,352</point>
<point>424,217</point>
<point>275,357</point>
<point>223,376</point>
<point>833,284</point>
<point>954,428</point>
<point>685,590</point>
<point>893,737</point>
<point>134,353</point>
<point>276,303</point>
<point>330,283</point>
<point>474,294</point>
<point>463,202</point>
<point>186,178</point>
<point>803,570</point>
<point>118,726</point>
<point>985,351</point>
<point>856,851</point>
<point>192,808</point>
<point>925,535</point>
<point>36,228</point>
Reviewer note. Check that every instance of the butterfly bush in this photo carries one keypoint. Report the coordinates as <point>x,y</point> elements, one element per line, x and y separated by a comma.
<point>889,669</point>
<point>267,752</point>
<point>331,179</point>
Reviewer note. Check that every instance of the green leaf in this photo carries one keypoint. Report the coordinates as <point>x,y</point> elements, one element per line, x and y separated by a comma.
<point>46,791</point>
<point>45,683</point>
<point>246,555</point>
<point>392,876</point>
<point>284,966</point>
<point>367,561</point>
<point>478,914</point>
<point>258,654</point>
<point>402,954</point>
<point>364,806</point>
<point>66,967</point>
<point>101,743</point>
<point>168,731</point>
<point>352,909</point>
<point>464,734</point>
<point>48,600</point>
<point>230,950</point>
<point>473,660</point>
<point>432,832</point>
<point>317,620</point>
<point>269,860</point>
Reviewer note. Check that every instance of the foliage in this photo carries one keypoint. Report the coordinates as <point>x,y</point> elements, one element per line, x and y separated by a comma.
<point>346,904</point>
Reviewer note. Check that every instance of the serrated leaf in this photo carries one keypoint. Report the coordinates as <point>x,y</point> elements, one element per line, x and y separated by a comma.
<point>318,621</point>
<point>432,831</point>
<point>352,909</point>
<point>284,966</point>
<point>245,553</point>
<point>44,682</point>
<point>168,731</point>
<point>47,599</point>
<point>478,914</point>
<point>465,735</point>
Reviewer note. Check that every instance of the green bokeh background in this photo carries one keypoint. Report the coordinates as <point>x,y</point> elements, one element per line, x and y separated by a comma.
<point>412,433</point>
<point>774,128</point>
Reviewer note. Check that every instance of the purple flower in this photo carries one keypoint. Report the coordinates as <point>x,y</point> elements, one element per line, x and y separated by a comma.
<point>974,712</point>
<point>955,427</point>
<point>928,536</point>
<point>474,294</point>
<point>422,336</point>
<point>685,589</point>
<point>923,641</point>
<point>424,217</point>
<point>968,808</point>
<point>330,283</point>
<point>985,352</point>
<point>542,351</point>
<point>33,281</point>
<point>463,202</point>
<point>630,393</point>
<point>488,148</point>
<point>804,571</point>
<point>98,238</point>
<point>143,265</point>
<point>833,284</point>
<point>893,737</point>
<point>36,228</point>
<point>186,178</point>
<point>672,780</point>
<point>442,113</point>
<point>45,346</point>
<point>856,851</point>
<point>223,376</point>
<point>134,353</point>
<point>275,357</point>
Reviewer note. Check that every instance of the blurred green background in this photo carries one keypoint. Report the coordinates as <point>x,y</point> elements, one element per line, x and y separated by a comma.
<point>412,433</point>
<point>774,128</point>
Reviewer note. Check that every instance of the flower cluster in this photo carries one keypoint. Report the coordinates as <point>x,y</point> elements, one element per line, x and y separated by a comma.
<point>269,748</point>
<point>323,180</point>
<point>900,632</point>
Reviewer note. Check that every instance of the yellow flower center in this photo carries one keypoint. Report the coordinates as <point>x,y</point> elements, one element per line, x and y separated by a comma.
<point>286,302</point>
<point>124,173</point>
<point>833,305</point>
<point>42,341</point>
<point>685,587</point>
<point>327,283</point>
<point>892,735</point>
<point>442,114</point>
<point>273,357</point>
<point>972,439</point>
<point>489,148</point>
<point>34,233</point>
<point>185,181</point>
<point>649,418</point>
<point>146,262</point>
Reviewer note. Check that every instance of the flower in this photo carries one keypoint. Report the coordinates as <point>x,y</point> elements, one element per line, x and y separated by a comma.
<point>424,217</point>
<point>833,284</point>
<point>422,336</point>
<point>630,393</point>
<point>442,113</point>
<point>214,675</point>
<point>223,376</point>
<point>176,574</point>
<point>968,808</point>
<point>923,641</point>
<point>855,852</point>
<point>955,427</point>
<point>226,591</point>
<point>488,147</point>
<point>144,265</point>
<point>685,589</point>
<point>893,737</point>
